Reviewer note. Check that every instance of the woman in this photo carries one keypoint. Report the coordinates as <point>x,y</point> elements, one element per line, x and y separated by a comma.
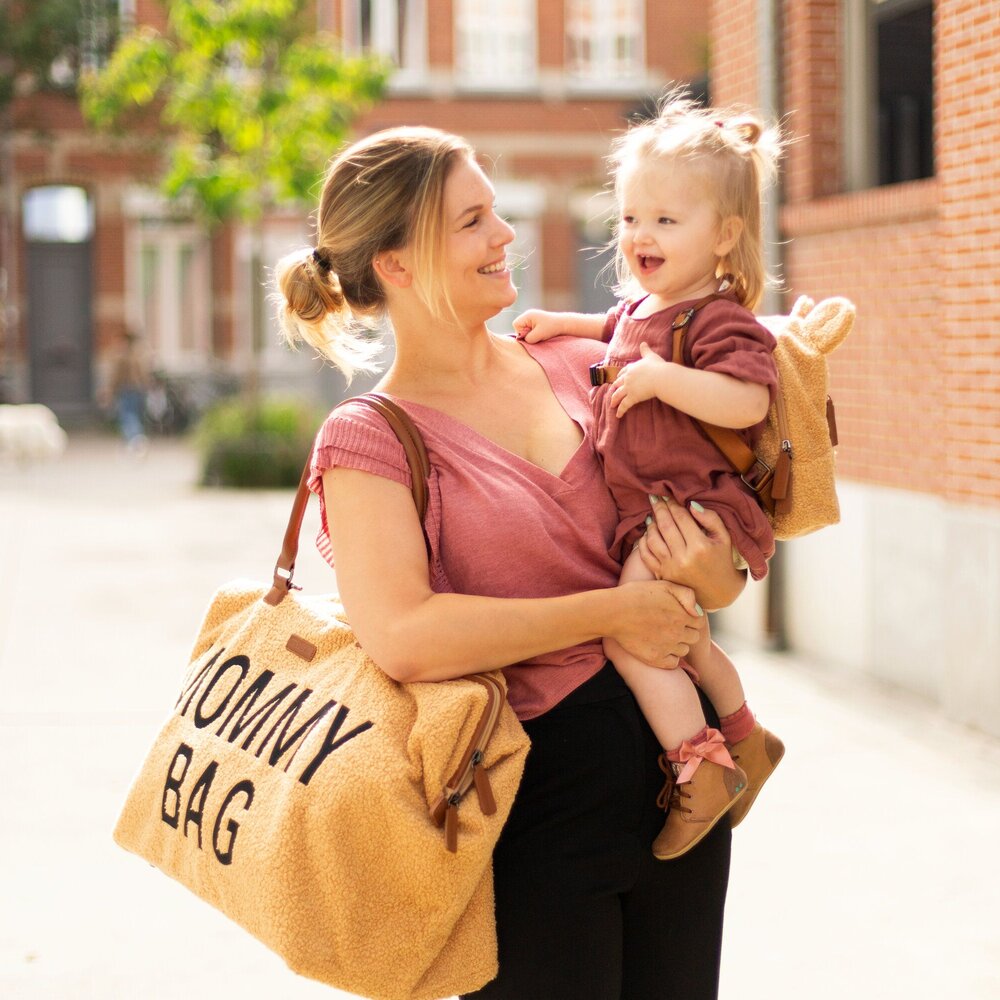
<point>519,526</point>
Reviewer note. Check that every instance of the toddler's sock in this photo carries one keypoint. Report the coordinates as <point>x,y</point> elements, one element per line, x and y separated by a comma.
<point>739,725</point>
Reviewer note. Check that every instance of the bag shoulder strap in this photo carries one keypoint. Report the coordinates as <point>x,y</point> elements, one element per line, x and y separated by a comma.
<point>416,457</point>
<point>755,473</point>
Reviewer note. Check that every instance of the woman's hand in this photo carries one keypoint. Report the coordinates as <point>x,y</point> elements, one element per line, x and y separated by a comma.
<point>695,549</point>
<point>658,622</point>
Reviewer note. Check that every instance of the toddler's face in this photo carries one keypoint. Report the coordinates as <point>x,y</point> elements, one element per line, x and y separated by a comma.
<point>669,230</point>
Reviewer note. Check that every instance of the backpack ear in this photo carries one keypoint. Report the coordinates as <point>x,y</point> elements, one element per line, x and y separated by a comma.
<point>828,323</point>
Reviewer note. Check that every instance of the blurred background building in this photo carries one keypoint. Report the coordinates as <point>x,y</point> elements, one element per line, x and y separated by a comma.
<point>890,196</point>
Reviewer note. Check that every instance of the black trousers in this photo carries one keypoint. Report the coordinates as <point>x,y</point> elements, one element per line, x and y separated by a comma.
<point>584,910</point>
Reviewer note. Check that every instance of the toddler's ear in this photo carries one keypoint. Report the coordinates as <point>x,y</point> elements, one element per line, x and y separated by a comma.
<point>828,323</point>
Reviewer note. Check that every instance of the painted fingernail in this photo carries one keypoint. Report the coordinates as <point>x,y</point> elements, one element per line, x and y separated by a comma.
<point>697,506</point>
<point>653,499</point>
<point>649,521</point>
<point>697,608</point>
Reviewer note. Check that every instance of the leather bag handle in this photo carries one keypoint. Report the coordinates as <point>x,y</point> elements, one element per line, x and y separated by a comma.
<point>416,457</point>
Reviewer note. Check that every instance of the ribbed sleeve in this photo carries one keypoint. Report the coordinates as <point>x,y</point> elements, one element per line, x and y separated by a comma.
<point>354,436</point>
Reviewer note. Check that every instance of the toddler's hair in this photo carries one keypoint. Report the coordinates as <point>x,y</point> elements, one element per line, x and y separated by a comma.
<point>382,193</point>
<point>737,156</point>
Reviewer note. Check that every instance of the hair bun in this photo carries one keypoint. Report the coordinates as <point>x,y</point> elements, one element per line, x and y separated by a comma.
<point>748,130</point>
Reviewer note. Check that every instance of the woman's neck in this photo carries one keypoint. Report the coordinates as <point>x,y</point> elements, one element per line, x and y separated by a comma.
<point>436,358</point>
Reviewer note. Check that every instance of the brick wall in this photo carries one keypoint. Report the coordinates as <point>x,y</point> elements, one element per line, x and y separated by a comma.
<point>967,150</point>
<point>733,52</point>
<point>918,383</point>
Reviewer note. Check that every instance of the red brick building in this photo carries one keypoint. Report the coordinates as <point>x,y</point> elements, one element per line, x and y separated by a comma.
<point>539,91</point>
<point>891,197</point>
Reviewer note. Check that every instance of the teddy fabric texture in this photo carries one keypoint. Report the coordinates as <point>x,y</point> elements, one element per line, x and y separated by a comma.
<point>291,785</point>
<point>804,339</point>
<point>657,449</point>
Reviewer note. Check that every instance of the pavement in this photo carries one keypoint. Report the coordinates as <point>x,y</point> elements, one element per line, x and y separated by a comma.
<point>868,868</point>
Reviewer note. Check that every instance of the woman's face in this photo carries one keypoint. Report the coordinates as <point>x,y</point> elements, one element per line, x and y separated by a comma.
<point>476,273</point>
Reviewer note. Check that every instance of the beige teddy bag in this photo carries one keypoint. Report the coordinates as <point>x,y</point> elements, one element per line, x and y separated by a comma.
<point>344,819</point>
<point>792,471</point>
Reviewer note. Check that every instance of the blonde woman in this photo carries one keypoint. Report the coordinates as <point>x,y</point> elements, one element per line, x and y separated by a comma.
<point>518,576</point>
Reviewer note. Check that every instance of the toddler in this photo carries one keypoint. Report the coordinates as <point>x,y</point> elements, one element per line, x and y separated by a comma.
<point>689,256</point>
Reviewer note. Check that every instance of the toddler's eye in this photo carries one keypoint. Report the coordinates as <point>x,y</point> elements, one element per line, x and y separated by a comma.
<point>628,219</point>
<point>665,221</point>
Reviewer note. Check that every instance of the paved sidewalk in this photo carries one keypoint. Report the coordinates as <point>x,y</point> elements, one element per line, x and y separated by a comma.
<point>867,869</point>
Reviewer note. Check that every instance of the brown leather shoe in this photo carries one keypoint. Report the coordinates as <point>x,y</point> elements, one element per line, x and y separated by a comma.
<point>697,805</point>
<point>758,755</point>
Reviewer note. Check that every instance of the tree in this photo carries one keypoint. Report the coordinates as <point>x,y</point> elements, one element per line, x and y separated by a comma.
<point>254,102</point>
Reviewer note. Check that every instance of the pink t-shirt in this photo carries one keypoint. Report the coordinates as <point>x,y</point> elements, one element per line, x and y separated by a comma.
<point>498,525</point>
<point>657,449</point>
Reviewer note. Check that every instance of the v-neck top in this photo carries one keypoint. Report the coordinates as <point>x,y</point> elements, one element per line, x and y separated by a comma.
<point>498,525</point>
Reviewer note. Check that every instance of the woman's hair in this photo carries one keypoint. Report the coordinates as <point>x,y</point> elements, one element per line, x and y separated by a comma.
<point>737,158</point>
<point>383,193</point>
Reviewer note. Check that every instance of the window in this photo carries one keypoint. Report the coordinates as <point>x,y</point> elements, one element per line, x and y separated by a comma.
<point>395,29</point>
<point>168,296</point>
<point>889,89</point>
<point>604,40</point>
<point>495,49</point>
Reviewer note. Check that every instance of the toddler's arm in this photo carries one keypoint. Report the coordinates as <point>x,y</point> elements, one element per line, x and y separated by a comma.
<point>713,397</point>
<point>537,325</point>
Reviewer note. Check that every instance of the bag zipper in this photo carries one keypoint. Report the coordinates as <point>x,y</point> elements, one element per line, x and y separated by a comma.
<point>781,483</point>
<point>470,771</point>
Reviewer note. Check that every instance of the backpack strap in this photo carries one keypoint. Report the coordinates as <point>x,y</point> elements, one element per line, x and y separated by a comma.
<point>770,485</point>
<point>416,457</point>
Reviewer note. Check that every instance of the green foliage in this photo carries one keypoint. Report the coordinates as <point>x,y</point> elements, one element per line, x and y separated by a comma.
<point>256,444</point>
<point>255,101</point>
<point>43,42</point>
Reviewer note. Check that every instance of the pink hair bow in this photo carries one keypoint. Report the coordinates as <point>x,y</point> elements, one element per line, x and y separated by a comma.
<point>712,748</point>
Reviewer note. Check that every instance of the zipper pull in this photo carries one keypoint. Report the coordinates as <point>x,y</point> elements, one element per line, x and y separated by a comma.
<point>451,824</point>
<point>487,803</point>
<point>831,421</point>
<point>780,485</point>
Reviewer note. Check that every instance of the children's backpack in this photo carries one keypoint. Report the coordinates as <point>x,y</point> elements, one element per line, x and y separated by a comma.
<point>792,470</point>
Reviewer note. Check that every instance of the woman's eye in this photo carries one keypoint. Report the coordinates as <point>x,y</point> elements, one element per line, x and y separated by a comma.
<point>471,222</point>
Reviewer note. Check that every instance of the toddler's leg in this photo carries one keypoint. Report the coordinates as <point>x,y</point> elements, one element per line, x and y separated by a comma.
<point>705,783</point>
<point>753,748</point>
<point>667,697</point>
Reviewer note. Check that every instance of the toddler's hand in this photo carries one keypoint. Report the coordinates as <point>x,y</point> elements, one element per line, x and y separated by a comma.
<point>536,325</point>
<point>638,381</point>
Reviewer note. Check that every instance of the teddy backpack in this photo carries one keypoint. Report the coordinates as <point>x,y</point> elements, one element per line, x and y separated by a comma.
<point>791,472</point>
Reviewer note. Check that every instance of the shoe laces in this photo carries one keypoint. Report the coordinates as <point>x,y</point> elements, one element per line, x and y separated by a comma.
<point>671,794</point>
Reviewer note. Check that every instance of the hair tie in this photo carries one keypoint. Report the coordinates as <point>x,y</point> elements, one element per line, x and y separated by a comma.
<point>322,261</point>
<point>721,124</point>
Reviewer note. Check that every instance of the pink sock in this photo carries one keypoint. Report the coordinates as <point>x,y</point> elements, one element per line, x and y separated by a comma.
<point>739,725</point>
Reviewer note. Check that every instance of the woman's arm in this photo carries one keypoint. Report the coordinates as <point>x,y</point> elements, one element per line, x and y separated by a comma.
<point>415,634</point>
<point>694,548</point>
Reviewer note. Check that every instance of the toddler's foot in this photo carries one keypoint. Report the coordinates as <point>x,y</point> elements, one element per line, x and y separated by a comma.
<point>758,755</point>
<point>698,800</point>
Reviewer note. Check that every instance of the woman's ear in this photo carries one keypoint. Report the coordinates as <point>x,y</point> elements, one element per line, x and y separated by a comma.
<point>730,231</point>
<point>392,268</point>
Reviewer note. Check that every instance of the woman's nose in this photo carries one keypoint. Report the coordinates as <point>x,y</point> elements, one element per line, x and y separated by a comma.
<point>504,233</point>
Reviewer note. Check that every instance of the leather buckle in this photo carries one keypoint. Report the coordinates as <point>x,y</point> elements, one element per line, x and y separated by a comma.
<point>682,319</point>
<point>597,375</point>
<point>760,474</point>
